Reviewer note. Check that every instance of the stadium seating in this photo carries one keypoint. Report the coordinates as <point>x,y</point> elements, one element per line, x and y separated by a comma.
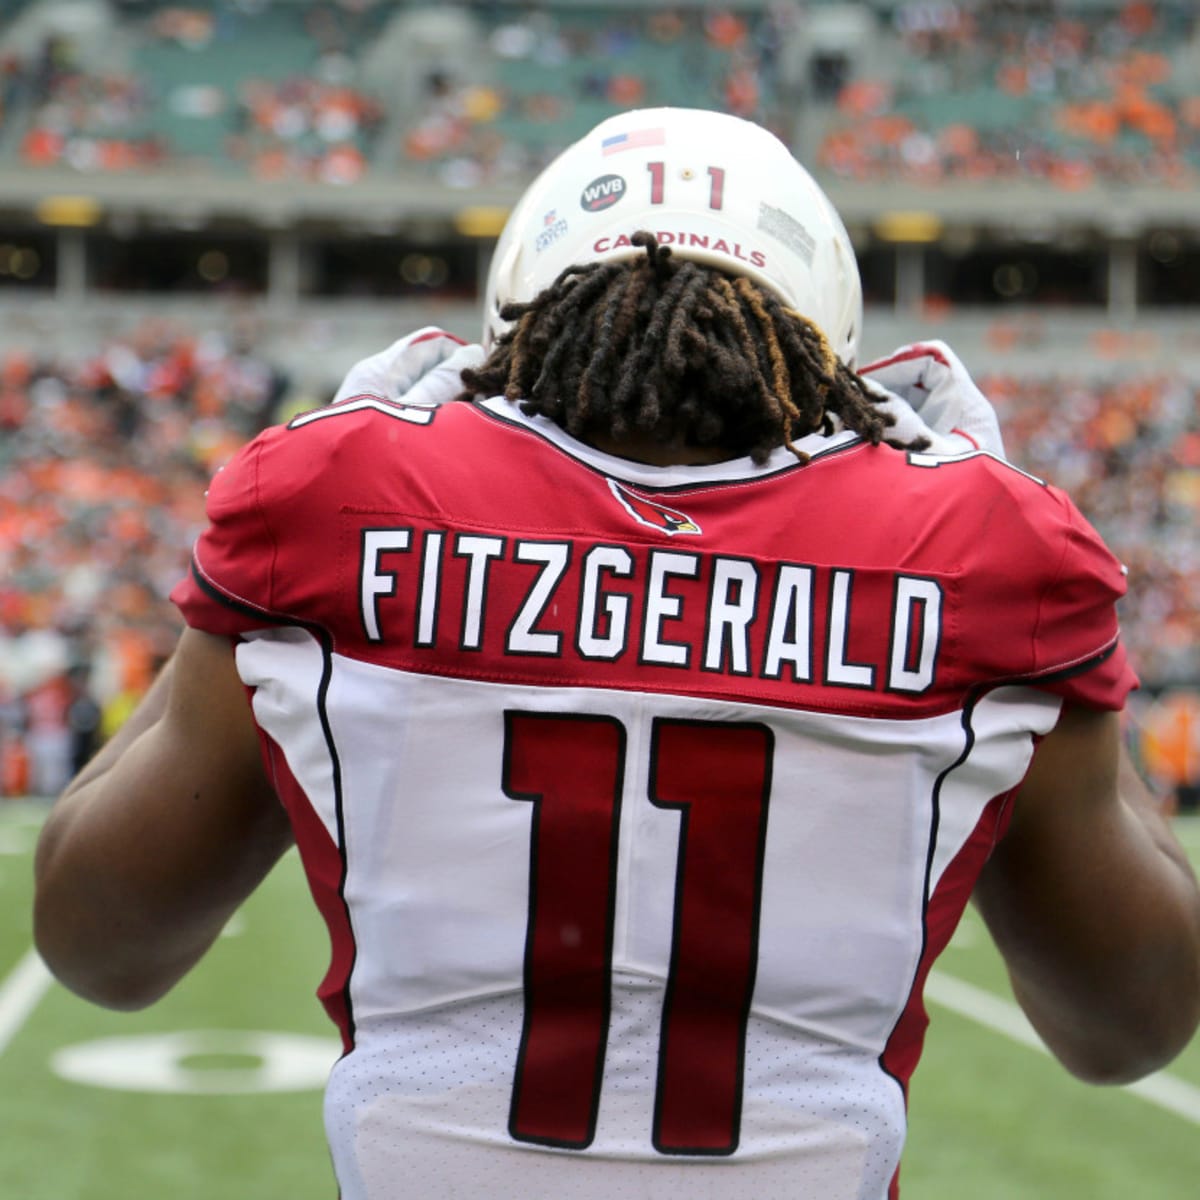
<point>273,87</point>
<point>1069,94</point>
<point>934,91</point>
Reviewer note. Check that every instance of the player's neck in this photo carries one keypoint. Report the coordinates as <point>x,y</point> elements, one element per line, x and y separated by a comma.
<point>644,449</point>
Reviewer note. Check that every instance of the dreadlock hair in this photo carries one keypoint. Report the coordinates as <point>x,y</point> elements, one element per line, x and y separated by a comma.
<point>682,352</point>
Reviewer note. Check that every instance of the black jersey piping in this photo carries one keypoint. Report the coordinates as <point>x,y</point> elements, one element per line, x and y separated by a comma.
<point>973,698</point>
<point>935,817</point>
<point>325,640</point>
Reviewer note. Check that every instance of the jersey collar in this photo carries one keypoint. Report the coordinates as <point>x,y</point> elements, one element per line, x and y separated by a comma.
<point>648,475</point>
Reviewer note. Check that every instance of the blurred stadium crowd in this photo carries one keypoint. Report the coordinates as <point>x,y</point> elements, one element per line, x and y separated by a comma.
<point>103,467</point>
<point>104,455</point>
<point>1063,93</point>
<point>922,90</point>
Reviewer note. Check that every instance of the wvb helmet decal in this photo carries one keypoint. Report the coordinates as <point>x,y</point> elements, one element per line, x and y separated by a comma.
<point>650,512</point>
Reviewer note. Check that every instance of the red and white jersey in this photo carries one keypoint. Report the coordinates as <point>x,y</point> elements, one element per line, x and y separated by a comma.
<point>638,800</point>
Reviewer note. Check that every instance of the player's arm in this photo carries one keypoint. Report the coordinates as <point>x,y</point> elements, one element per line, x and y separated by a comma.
<point>158,840</point>
<point>1092,902</point>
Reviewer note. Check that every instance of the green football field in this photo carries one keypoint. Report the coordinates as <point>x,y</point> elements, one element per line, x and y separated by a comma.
<point>216,1092</point>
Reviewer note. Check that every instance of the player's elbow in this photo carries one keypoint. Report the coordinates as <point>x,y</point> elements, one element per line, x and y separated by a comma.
<point>90,966</point>
<point>1122,1061</point>
<point>1116,1048</point>
<point>106,989</point>
<point>90,948</point>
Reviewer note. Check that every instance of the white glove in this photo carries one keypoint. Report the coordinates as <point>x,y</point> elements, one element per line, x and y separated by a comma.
<point>927,389</point>
<point>422,368</point>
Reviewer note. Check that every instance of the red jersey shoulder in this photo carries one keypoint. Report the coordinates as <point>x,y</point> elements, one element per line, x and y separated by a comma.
<point>981,513</point>
<point>368,452</point>
<point>332,418</point>
<point>1040,587</point>
<point>1031,588</point>
<point>337,441</point>
<point>275,532</point>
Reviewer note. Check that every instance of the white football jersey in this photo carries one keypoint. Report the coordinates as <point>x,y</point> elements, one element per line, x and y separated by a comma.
<point>638,801</point>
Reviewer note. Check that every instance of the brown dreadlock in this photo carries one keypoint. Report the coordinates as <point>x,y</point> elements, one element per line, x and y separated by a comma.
<point>679,351</point>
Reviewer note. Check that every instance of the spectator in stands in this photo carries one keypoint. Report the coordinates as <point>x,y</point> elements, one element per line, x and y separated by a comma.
<point>122,440</point>
<point>1066,98</point>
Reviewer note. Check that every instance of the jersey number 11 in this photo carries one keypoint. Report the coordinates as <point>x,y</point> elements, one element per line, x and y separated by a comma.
<point>571,767</point>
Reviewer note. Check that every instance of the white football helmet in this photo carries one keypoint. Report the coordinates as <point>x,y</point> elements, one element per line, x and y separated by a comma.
<point>715,188</point>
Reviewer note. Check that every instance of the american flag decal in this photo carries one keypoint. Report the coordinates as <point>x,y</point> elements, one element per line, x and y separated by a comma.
<point>631,141</point>
<point>649,512</point>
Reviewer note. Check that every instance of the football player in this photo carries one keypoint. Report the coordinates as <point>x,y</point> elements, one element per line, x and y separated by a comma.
<point>645,718</point>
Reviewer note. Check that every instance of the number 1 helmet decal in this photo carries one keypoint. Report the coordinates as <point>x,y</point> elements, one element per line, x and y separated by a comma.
<point>716,189</point>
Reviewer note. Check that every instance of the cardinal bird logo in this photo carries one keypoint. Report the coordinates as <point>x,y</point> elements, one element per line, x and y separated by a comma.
<point>650,512</point>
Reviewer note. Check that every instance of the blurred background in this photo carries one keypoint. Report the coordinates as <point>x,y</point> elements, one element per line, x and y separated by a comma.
<point>209,210</point>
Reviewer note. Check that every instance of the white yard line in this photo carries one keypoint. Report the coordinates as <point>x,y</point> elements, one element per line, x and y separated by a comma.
<point>1002,1016</point>
<point>20,994</point>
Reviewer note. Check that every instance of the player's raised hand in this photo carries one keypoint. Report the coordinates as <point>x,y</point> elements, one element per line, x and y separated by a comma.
<point>421,368</point>
<point>928,390</point>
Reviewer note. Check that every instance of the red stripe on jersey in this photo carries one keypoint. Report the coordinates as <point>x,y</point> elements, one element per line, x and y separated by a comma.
<point>324,868</point>
<point>942,914</point>
<point>918,351</point>
<point>434,334</point>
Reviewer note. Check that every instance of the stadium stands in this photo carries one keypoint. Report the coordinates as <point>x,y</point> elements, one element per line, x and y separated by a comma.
<point>919,91</point>
<point>273,88</point>
<point>103,466</point>
<point>1065,93</point>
